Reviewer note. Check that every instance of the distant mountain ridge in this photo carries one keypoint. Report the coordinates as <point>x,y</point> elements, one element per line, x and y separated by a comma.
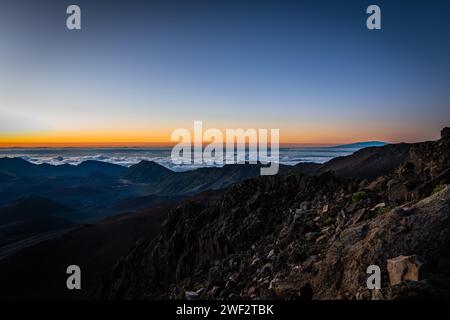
<point>157,178</point>
<point>147,172</point>
<point>95,190</point>
<point>142,172</point>
<point>20,167</point>
<point>365,163</point>
<point>360,145</point>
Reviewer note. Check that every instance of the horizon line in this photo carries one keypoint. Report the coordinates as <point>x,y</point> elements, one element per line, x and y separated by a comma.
<point>45,145</point>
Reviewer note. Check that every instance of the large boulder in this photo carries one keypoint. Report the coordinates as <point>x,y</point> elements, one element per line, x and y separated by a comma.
<point>404,268</point>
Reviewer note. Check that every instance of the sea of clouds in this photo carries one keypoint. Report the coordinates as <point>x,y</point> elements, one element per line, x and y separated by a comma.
<point>129,156</point>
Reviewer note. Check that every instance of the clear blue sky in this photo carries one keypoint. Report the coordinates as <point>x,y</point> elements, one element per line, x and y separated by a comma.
<point>140,69</point>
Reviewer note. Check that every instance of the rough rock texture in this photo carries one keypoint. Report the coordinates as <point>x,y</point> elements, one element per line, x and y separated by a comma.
<point>303,237</point>
<point>404,268</point>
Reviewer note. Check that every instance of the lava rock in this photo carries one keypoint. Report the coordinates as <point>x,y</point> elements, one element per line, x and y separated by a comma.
<point>404,268</point>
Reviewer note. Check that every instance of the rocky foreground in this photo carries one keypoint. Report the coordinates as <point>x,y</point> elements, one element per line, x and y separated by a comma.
<point>309,234</point>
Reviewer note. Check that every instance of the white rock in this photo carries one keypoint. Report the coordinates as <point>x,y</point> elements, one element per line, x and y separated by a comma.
<point>192,295</point>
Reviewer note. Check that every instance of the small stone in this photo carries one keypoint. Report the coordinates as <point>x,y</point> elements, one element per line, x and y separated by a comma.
<point>363,184</point>
<point>251,291</point>
<point>192,295</point>
<point>325,230</point>
<point>304,205</point>
<point>325,208</point>
<point>379,206</point>
<point>215,276</point>
<point>255,261</point>
<point>401,211</point>
<point>215,292</point>
<point>290,290</point>
<point>311,236</point>
<point>272,282</point>
<point>233,296</point>
<point>321,237</point>
<point>267,268</point>
<point>285,231</point>
<point>200,291</point>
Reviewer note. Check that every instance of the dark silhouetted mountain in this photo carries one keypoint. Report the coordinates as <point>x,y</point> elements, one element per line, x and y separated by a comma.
<point>361,145</point>
<point>147,172</point>
<point>96,189</point>
<point>203,179</point>
<point>18,166</point>
<point>365,163</point>
<point>162,181</point>
<point>23,168</point>
<point>99,167</point>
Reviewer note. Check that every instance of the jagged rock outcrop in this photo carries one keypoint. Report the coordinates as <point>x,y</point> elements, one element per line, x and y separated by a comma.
<point>301,236</point>
<point>445,133</point>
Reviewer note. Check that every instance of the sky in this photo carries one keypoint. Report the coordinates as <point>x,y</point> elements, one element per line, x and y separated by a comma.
<point>140,69</point>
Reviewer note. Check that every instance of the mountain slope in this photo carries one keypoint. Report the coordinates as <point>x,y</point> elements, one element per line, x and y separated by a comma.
<point>369,162</point>
<point>31,216</point>
<point>147,172</point>
<point>304,237</point>
<point>94,247</point>
<point>203,179</point>
<point>365,163</point>
<point>99,167</point>
<point>5,176</point>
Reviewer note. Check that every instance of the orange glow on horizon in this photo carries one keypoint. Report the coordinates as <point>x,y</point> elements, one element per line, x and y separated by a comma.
<point>85,139</point>
<point>289,135</point>
<point>113,140</point>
